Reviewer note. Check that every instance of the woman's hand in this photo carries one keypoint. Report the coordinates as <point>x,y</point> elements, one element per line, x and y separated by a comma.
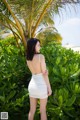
<point>49,91</point>
<point>46,72</point>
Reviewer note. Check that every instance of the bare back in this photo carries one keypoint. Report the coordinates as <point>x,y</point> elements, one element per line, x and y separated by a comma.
<point>34,65</point>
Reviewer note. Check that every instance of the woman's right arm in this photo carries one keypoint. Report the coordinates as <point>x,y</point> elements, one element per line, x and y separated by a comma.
<point>45,74</point>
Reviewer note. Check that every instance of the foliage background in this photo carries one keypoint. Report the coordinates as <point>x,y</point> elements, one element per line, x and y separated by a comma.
<point>64,74</point>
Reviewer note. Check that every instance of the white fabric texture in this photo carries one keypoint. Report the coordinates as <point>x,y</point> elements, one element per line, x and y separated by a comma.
<point>37,86</point>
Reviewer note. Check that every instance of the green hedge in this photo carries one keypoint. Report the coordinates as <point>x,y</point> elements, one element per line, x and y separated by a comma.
<point>64,74</point>
<point>14,77</point>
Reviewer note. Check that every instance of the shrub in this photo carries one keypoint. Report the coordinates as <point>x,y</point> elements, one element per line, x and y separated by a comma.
<point>64,74</point>
<point>14,77</point>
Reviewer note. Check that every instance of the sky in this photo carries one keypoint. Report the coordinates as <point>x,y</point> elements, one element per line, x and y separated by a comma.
<point>68,25</point>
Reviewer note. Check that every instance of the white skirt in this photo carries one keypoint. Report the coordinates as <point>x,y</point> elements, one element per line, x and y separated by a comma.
<point>37,86</point>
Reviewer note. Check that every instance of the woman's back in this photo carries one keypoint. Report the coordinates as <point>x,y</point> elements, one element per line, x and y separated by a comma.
<point>35,64</point>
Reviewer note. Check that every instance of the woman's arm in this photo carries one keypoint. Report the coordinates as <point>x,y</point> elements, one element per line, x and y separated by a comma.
<point>45,74</point>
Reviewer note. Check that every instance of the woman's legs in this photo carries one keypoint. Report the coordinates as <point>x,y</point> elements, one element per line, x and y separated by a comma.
<point>43,103</point>
<point>33,104</point>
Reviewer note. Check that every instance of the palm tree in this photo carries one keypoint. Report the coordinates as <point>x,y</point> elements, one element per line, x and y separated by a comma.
<point>49,35</point>
<point>25,17</point>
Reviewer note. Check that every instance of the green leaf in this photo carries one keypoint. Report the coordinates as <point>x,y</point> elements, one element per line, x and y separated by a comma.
<point>11,95</point>
<point>71,100</point>
<point>2,98</point>
<point>60,98</point>
<point>58,60</point>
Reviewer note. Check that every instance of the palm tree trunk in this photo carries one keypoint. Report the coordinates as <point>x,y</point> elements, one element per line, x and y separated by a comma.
<point>17,23</point>
<point>41,16</point>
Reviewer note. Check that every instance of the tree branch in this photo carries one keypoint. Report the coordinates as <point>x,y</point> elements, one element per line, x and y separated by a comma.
<point>41,16</point>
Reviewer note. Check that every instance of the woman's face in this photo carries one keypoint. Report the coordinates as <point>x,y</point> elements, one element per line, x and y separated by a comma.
<point>37,47</point>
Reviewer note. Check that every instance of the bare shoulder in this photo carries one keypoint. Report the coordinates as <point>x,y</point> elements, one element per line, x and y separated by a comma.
<point>42,57</point>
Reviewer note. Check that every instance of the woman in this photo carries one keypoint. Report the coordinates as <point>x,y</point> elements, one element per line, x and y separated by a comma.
<point>39,86</point>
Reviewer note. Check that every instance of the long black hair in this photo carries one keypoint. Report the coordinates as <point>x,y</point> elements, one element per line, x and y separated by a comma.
<point>30,50</point>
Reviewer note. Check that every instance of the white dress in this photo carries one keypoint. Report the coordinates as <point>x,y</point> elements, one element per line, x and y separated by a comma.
<point>37,86</point>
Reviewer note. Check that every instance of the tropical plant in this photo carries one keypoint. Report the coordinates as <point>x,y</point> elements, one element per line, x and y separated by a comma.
<point>33,13</point>
<point>64,75</point>
<point>49,35</point>
<point>14,77</point>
